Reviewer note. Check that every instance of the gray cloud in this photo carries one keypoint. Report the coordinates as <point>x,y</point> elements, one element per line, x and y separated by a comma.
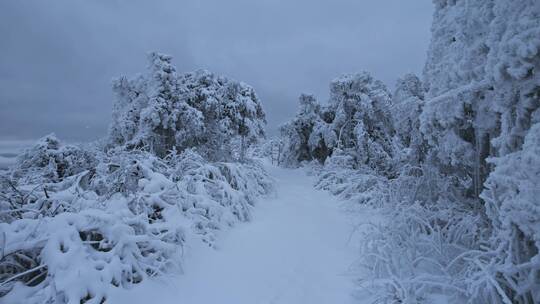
<point>58,57</point>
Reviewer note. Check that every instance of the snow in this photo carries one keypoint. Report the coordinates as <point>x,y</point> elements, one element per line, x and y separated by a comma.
<point>430,193</point>
<point>295,250</point>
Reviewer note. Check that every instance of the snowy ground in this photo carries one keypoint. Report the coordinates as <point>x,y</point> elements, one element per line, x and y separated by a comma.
<point>295,250</point>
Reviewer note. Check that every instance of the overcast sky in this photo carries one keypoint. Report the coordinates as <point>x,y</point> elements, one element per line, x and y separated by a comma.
<point>57,58</point>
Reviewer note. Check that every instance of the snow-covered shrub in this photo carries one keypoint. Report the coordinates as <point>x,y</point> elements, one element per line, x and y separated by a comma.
<point>51,160</point>
<point>266,149</point>
<point>419,252</point>
<point>163,111</point>
<point>425,245</point>
<point>115,224</point>
<point>217,194</point>
<point>340,177</point>
<point>79,256</point>
<point>70,245</point>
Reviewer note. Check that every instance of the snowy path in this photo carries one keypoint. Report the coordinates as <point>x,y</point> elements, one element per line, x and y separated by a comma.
<point>295,250</point>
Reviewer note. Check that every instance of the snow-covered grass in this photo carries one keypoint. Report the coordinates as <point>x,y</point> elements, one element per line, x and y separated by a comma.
<point>71,232</point>
<point>411,252</point>
<point>427,244</point>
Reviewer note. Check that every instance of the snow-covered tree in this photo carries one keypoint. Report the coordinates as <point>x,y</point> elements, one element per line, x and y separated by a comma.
<point>482,102</point>
<point>362,119</point>
<point>307,136</point>
<point>163,111</point>
<point>150,111</point>
<point>407,103</point>
<point>168,121</point>
<point>130,99</point>
<point>357,120</point>
<point>232,113</point>
<point>511,194</point>
<point>481,82</point>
